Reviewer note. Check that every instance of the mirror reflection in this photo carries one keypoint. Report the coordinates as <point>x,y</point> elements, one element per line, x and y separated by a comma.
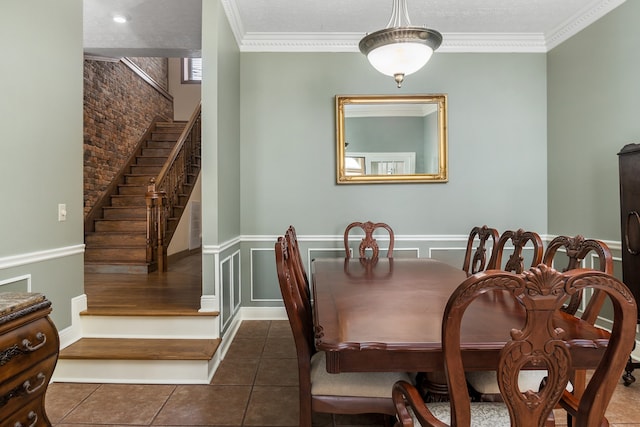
<point>388,138</point>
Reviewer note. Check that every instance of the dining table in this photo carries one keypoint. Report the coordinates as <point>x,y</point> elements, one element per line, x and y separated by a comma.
<point>385,314</point>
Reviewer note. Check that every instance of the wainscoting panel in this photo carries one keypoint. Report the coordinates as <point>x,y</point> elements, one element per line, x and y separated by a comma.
<point>16,284</point>
<point>231,296</point>
<point>264,278</point>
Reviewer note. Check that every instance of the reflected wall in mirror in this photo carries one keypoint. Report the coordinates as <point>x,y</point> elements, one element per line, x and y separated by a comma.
<point>391,138</point>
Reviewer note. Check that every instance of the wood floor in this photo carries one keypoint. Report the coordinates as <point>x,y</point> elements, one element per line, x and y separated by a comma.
<point>176,291</point>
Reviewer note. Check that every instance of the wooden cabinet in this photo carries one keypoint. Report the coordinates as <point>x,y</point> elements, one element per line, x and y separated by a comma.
<point>629,169</point>
<point>629,164</point>
<point>29,346</point>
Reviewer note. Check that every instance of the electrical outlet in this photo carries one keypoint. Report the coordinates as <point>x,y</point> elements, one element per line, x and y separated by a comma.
<point>62,212</point>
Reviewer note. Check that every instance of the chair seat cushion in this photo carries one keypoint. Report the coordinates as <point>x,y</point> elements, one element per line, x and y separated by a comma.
<point>358,384</point>
<point>483,414</point>
<point>486,382</point>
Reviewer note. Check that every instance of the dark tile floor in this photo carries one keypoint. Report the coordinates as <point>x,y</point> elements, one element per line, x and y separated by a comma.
<point>256,385</point>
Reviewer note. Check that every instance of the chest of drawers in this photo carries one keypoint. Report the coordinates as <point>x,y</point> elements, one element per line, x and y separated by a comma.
<point>29,346</point>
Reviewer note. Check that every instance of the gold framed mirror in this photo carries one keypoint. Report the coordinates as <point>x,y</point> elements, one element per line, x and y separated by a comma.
<point>391,138</point>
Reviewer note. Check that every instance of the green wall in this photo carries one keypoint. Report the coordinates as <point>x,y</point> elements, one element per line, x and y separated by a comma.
<point>594,110</point>
<point>221,164</point>
<point>41,149</point>
<point>497,145</point>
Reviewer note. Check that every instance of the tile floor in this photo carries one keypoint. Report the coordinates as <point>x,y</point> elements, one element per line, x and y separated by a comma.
<point>256,385</point>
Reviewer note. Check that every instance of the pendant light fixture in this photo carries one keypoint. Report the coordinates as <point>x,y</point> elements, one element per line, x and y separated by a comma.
<point>400,49</point>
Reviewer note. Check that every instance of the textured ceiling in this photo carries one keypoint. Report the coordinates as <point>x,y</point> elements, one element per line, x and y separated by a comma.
<point>172,28</point>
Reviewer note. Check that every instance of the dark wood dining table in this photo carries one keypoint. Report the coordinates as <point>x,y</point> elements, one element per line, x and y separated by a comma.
<point>386,315</point>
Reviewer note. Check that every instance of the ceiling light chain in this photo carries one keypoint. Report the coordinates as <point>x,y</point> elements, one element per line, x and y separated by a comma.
<point>400,49</point>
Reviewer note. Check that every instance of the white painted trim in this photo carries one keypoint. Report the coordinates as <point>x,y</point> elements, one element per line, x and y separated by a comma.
<point>10,280</point>
<point>237,260</point>
<point>228,337</point>
<point>135,371</point>
<point>208,303</point>
<point>263,313</point>
<point>73,333</point>
<point>40,256</point>
<point>452,42</point>
<point>587,16</point>
<point>340,238</point>
<point>216,249</point>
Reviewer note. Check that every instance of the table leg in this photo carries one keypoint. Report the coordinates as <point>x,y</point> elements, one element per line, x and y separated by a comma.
<point>433,386</point>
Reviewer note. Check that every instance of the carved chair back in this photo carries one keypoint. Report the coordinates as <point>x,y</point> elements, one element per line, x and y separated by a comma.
<point>519,239</point>
<point>576,250</point>
<point>475,260</point>
<point>295,259</point>
<point>368,241</point>
<point>541,290</point>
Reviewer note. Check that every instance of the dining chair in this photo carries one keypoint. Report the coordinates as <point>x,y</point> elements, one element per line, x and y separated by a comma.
<point>475,259</point>
<point>320,391</point>
<point>484,384</point>
<point>542,291</point>
<point>576,250</point>
<point>368,241</point>
<point>520,240</point>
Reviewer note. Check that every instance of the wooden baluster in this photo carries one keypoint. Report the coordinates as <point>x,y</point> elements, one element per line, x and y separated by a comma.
<point>156,225</point>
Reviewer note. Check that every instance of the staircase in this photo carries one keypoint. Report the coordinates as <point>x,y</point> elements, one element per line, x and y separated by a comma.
<point>116,234</point>
<point>142,349</point>
<point>141,337</point>
<point>144,328</point>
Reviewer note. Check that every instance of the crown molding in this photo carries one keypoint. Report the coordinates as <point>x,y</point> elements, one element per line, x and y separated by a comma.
<point>580,21</point>
<point>348,42</point>
<point>452,42</point>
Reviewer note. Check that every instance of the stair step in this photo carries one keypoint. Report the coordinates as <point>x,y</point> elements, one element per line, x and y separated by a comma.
<point>128,200</point>
<point>151,160</point>
<point>170,127</point>
<point>131,254</point>
<point>132,189</point>
<point>125,212</point>
<point>141,349</point>
<point>140,179</point>
<point>130,322</point>
<point>161,144</point>
<point>172,135</point>
<point>138,361</point>
<point>118,268</point>
<point>146,169</point>
<point>170,123</point>
<point>120,225</point>
<point>156,152</point>
<point>129,238</point>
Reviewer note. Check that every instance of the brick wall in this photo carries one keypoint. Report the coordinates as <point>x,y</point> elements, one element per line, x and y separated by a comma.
<point>118,107</point>
<point>156,68</point>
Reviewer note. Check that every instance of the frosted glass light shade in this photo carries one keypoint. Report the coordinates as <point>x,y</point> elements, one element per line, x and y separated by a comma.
<point>400,58</point>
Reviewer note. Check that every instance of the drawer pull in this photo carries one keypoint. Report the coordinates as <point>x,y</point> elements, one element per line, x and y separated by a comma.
<point>24,389</point>
<point>27,384</point>
<point>30,347</point>
<point>33,418</point>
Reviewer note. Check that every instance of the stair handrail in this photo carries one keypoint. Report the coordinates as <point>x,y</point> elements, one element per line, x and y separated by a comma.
<point>164,190</point>
<point>193,120</point>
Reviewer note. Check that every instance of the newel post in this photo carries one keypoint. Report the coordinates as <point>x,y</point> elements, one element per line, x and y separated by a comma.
<point>156,219</point>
